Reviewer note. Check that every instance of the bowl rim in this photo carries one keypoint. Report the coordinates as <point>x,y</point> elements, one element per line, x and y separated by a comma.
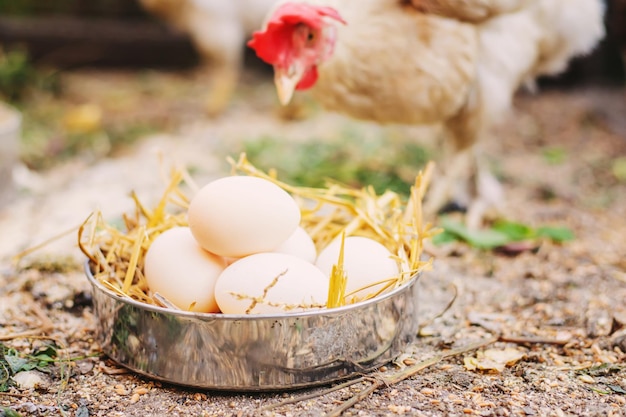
<point>245,317</point>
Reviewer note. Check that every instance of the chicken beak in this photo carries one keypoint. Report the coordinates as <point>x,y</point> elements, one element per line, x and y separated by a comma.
<point>286,82</point>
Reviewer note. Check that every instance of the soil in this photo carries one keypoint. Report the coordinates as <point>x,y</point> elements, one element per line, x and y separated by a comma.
<point>557,311</point>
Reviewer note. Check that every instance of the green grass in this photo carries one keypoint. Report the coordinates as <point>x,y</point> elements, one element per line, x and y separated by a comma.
<point>46,140</point>
<point>499,234</point>
<point>554,155</point>
<point>19,77</point>
<point>380,162</point>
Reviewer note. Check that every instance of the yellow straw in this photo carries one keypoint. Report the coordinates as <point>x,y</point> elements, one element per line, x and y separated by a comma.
<point>132,264</point>
<point>338,281</point>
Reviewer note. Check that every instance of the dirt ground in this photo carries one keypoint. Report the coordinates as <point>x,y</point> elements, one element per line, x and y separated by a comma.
<point>558,311</point>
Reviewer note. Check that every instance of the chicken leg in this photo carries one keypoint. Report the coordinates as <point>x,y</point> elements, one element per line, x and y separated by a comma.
<point>465,180</point>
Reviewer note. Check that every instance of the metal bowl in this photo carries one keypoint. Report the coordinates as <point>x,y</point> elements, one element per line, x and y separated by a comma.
<point>255,352</point>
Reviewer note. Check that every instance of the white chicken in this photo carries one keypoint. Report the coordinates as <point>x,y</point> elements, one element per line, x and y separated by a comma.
<point>453,62</point>
<point>218,30</point>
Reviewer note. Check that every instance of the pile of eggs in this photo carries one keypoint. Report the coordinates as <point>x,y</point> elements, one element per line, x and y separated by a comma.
<point>244,252</point>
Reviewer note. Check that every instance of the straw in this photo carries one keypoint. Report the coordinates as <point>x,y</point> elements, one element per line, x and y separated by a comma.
<point>329,213</point>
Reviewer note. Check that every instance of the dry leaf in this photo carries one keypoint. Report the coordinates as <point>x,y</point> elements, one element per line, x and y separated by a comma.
<point>493,359</point>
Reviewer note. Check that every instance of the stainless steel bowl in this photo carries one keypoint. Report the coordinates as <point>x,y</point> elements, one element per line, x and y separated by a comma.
<point>255,352</point>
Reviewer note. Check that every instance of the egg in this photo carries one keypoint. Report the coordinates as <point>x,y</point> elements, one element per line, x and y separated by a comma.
<point>182,272</point>
<point>299,244</point>
<point>240,215</point>
<point>281,280</point>
<point>365,262</point>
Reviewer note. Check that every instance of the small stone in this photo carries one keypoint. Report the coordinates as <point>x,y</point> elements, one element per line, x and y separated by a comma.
<point>428,391</point>
<point>120,390</point>
<point>409,361</point>
<point>587,379</point>
<point>32,380</point>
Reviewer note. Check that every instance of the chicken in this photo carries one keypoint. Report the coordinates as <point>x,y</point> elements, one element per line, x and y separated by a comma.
<point>455,63</point>
<point>218,30</point>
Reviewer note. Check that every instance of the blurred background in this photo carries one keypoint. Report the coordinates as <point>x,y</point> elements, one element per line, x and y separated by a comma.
<point>90,77</point>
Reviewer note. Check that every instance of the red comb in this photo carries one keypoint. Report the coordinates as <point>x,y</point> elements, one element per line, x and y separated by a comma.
<point>270,45</point>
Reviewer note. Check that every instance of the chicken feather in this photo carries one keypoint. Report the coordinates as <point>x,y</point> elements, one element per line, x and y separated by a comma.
<point>474,11</point>
<point>427,85</point>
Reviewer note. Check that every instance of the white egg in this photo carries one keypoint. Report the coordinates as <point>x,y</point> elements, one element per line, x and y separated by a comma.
<point>182,272</point>
<point>299,244</point>
<point>282,281</point>
<point>365,262</point>
<point>240,215</point>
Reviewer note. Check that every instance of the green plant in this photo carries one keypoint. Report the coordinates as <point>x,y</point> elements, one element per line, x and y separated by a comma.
<point>11,362</point>
<point>42,358</point>
<point>500,233</point>
<point>348,159</point>
<point>16,74</point>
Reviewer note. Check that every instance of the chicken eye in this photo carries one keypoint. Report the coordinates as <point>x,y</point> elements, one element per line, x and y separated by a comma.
<point>310,37</point>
